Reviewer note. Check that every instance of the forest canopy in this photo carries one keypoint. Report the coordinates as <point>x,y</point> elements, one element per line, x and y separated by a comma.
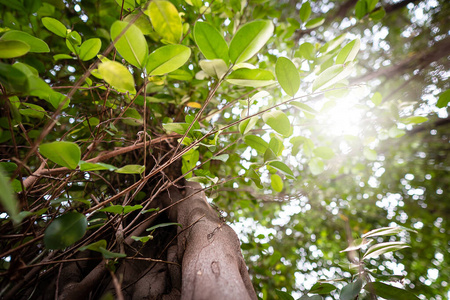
<point>137,137</point>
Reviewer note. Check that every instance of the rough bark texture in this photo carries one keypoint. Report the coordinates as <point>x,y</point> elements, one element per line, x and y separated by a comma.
<point>200,260</point>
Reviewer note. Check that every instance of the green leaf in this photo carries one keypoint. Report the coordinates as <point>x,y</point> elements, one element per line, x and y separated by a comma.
<point>306,50</point>
<point>66,154</point>
<point>269,155</point>
<point>210,42</point>
<point>304,107</point>
<point>222,157</point>
<point>276,182</point>
<point>8,199</point>
<point>126,4</point>
<point>131,169</point>
<point>315,23</point>
<point>167,59</point>
<point>100,246</point>
<point>142,239</point>
<point>394,132</point>
<point>11,49</point>
<point>370,154</point>
<point>378,14</point>
<point>256,143</point>
<point>87,166</point>
<point>376,98</point>
<point>36,45</point>
<point>414,120</point>
<point>179,128</point>
<point>249,39</point>
<point>386,231</point>
<point>251,77</point>
<point>322,288</point>
<point>32,111</point>
<point>305,11</point>
<point>324,152</point>
<point>89,49</point>
<point>287,75</point>
<point>165,20</point>
<point>132,117</point>
<point>357,244</point>
<point>331,76</point>
<point>389,292</point>
<point>55,26</point>
<point>132,45</point>
<point>118,76</point>
<point>65,230</point>
<point>119,209</point>
<point>283,295</point>
<point>444,99</point>
<point>351,290</point>
<point>214,68</point>
<point>282,167</point>
<point>314,297</point>
<point>316,166</point>
<point>247,125</point>
<point>361,9</point>
<point>381,248</point>
<point>62,56</point>
<point>278,121</point>
<point>13,79</point>
<point>254,177</point>
<point>163,225</point>
<point>349,52</point>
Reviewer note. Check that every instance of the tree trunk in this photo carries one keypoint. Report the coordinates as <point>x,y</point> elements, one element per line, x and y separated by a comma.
<point>201,259</point>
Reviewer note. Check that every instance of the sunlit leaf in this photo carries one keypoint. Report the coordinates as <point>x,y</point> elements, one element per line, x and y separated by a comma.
<point>282,167</point>
<point>249,39</point>
<point>269,155</point>
<point>370,154</point>
<point>305,11</point>
<point>357,244</point>
<point>316,165</point>
<point>118,76</point>
<point>315,23</point>
<point>87,166</point>
<point>210,42</point>
<point>324,152</point>
<point>165,20</point>
<point>36,45</point>
<point>251,77</point>
<point>287,75</point>
<point>278,121</point>
<point>331,76</point>
<point>254,177</point>
<point>66,154</point>
<point>222,157</point>
<point>349,52</point>
<point>414,120</point>
<point>11,49</point>
<point>256,143</point>
<point>131,169</point>
<point>376,98</point>
<point>389,292</point>
<point>386,231</point>
<point>89,49</point>
<point>276,182</point>
<point>55,26</point>
<point>167,59</point>
<point>382,248</point>
<point>65,230</point>
<point>132,45</point>
<point>395,132</point>
<point>306,50</point>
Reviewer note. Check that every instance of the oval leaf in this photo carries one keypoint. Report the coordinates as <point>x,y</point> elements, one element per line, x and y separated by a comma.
<point>210,42</point>
<point>315,23</point>
<point>287,75</point>
<point>282,167</point>
<point>165,20</point>
<point>214,68</point>
<point>167,59</point>
<point>351,290</point>
<point>11,49</point>
<point>276,182</point>
<point>118,76</point>
<point>66,154</point>
<point>278,121</point>
<point>249,39</point>
<point>55,26</point>
<point>36,45</point>
<point>90,48</point>
<point>389,292</point>
<point>305,11</point>
<point>444,99</point>
<point>381,248</point>
<point>247,125</point>
<point>65,230</point>
<point>251,77</point>
<point>132,45</point>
